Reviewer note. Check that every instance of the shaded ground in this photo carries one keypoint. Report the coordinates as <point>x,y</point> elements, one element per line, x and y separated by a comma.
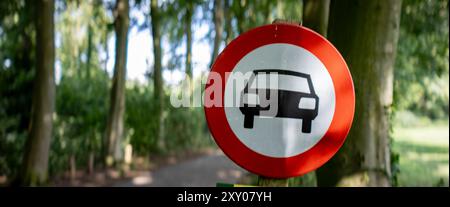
<point>203,171</point>
<point>424,155</point>
<point>142,167</point>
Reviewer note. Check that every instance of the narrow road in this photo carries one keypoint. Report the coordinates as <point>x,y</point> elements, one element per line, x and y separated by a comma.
<point>204,171</point>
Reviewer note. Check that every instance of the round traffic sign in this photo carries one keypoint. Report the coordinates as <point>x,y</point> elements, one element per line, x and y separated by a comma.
<point>285,100</point>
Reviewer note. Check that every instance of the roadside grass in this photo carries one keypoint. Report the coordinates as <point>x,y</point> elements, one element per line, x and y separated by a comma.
<point>424,154</point>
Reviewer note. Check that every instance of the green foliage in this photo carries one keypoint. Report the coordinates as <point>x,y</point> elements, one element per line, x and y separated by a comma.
<point>81,118</point>
<point>184,128</point>
<point>188,129</point>
<point>422,70</point>
<point>140,120</point>
<point>80,121</point>
<point>11,150</point>
<point>307,180</point>
<point>78,24</point>
<point>15,110</point>
<point>16,81</point>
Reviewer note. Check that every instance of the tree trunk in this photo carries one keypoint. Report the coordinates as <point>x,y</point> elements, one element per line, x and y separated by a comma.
<point>188,24</point>
<point>267,10</point>
<point>315,15</point>
<point>157,70</point>
<point>280,10</point>
<point>72,167</point>
<point>218,19</point>
<point>228,26</point>
<point>91,162</point>
<point>35,162</point>
<point>105,45</point>
<point>365,32</point>
<point>89,52</point>
<point>114,129</point>
<point>240,15</point>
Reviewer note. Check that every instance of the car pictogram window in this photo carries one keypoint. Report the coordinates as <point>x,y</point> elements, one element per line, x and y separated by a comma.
<point>277,81</point>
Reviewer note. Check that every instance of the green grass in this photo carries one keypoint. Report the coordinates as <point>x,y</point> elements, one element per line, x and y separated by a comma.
<point>424,155</point>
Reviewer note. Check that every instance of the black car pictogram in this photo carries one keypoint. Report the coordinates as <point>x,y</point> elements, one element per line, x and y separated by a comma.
<point>298,103</point>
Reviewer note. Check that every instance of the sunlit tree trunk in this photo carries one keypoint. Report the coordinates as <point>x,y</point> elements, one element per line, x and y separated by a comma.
<point>188,24</point>
<point>106,48</point>
<point>218,18</point>
<point>240,15</point>
<point>91,162</point>
<point>157,70</point>
<point>72,167</point>
<point>35,162</point>
<point>115,126</point>
<point>267,10</point>
<point>315,15</point>
<point>280,11</point>
<point>365,32</point>
<point>228,18</point>
<point>90,47</point>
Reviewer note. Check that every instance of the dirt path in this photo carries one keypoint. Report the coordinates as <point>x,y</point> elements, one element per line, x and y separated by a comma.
<point>202,171</point>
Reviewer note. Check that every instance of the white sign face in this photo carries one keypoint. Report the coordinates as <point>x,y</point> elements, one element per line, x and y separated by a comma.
<point>306,102</point>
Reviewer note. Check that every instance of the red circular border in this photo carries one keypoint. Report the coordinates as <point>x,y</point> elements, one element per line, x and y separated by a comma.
<point>343,116</point>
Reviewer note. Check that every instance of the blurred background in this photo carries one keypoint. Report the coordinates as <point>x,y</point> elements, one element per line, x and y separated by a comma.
<point>85,88</point>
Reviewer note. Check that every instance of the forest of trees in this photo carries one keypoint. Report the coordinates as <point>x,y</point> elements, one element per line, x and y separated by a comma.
<point>61,110</point>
